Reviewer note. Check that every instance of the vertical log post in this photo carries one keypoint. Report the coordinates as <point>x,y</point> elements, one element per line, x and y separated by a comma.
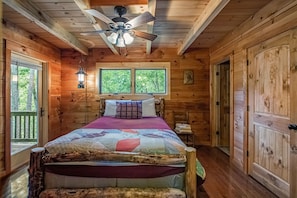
<point>191,178</point>
<point>36,172</point>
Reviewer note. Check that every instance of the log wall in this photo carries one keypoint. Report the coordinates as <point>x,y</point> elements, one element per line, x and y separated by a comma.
<point>79,106</point>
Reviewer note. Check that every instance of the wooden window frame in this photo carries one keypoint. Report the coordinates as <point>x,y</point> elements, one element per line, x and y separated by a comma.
<point>133,66</point>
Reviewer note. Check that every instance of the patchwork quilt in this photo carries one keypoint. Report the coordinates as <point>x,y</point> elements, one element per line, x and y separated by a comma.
<point>136,145</point>
<point>142,141</point>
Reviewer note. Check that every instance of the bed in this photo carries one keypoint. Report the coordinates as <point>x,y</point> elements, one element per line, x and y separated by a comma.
<point>129,151</point>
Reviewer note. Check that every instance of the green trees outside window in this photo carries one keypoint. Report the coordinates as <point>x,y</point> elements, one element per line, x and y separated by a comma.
<point>129,81</point>
<point>150,81</point>
<point>23,89</point>
<point>115,81</point>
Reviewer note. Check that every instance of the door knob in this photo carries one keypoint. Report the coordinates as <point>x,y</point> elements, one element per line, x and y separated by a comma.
<point>292,127</point>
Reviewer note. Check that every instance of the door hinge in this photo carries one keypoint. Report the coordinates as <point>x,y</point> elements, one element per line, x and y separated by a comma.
<point>248,108</point>
<point>217,132</point>
<point>247,62</point>
<point>218,103</point>
<point>247,153</point>
<point>217,73</point>
<point>41,112</point>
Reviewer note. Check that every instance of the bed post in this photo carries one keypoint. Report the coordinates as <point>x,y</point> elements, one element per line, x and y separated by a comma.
<point>36,172</point>
<point>101,107</point>
<point>191,180</point>
<point>160,107</point>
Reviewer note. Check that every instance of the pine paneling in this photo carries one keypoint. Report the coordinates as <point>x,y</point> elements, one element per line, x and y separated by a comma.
<point>269,22</point>
<point>256,29</point>
<point>22,42</point>
<point>2,105</point>
<point>54,100</point>
<point>79,106</point>
<point>72,107</point>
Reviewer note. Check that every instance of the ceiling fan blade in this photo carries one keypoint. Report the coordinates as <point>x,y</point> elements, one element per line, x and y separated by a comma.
<point>145,35</point>
<point>100,16</point>
<point>141,19</point>
<point>93,32</point>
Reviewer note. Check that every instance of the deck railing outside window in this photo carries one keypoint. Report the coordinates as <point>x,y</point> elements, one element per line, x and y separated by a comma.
<point>24,126</point>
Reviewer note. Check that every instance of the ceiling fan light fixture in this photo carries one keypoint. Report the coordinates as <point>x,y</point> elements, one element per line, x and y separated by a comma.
<point>122,29</point>
<point>128,38</point>
<point>113,37</point>
<point>120,42</point>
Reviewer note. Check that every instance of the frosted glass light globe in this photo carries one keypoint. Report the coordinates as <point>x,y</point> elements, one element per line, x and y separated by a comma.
<point>120,42</point>
<point>113,38</point>
<point>128,38</point>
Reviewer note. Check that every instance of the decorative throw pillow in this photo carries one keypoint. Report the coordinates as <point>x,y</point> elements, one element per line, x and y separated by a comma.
<point>129,110</point>
<point>148,108</point>
<point>111,107</point>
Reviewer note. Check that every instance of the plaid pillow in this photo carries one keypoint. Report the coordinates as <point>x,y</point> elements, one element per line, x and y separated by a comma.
<point>129,110</point>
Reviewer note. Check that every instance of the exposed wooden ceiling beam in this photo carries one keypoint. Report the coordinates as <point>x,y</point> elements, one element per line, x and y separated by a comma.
<point>212,9</point>
<point>150,25</point>
<point>28,10</point>
<point>85,5</point>
<point>94,3</point>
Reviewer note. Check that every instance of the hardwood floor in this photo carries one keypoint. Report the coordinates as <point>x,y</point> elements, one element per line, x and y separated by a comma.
<point>16,185</point>
<point>222,179</point>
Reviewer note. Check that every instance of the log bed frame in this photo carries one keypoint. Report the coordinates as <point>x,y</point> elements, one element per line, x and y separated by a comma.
<point>37,167</point>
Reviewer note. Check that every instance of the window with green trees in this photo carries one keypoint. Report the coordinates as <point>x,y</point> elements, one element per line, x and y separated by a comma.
<point>115,81</point>
<point>150,81</point>
<point>133,78</point>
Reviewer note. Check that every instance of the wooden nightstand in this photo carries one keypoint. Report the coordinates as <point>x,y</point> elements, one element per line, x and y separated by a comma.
<point>182,127</point>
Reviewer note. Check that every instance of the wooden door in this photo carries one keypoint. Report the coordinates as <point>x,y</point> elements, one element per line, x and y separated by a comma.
<point>269,113</point>
<point>293,133</point>
<point>224,105</point>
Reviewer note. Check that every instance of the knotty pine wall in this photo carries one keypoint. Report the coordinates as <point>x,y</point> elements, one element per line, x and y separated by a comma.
<point>71,108</point>
<point>20,41</point>
<point>2,107</point>
<point>79,106</point>
<point>273,19</point>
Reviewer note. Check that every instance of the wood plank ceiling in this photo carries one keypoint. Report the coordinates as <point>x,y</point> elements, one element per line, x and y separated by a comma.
<point>180,24</point>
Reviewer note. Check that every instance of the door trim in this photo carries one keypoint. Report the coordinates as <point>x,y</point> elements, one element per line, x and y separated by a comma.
<point>43,137</point>
<point>214,110</point>
<point>43,128</point>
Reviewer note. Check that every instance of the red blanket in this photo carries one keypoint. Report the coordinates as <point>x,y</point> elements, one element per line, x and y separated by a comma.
<point>116,123</point>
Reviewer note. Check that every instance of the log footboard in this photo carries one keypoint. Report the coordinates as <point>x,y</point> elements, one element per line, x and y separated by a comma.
<point>36,172</point>
<point>37,186</point>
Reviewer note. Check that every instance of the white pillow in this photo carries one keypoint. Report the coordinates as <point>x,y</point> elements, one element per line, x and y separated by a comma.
<point>111,107</point>
<point>148,108</point>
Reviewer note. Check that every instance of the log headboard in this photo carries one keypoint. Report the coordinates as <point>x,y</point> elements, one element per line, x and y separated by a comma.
<point>159,106</point>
